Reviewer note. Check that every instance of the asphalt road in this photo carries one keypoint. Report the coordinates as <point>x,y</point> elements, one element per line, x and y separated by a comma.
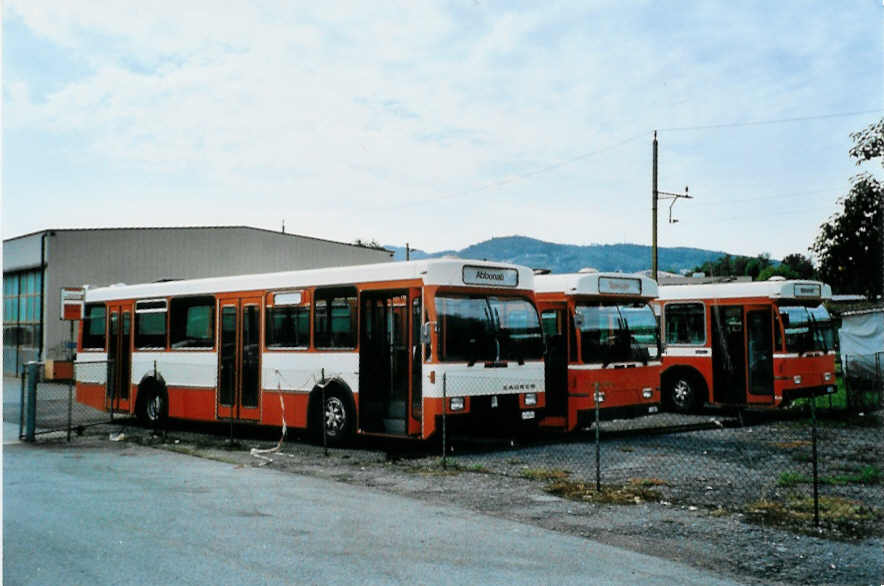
<point>126,514</point>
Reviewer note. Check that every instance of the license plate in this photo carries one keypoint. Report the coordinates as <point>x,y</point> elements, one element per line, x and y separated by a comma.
<point>527,415</point>
<point>652,409</point>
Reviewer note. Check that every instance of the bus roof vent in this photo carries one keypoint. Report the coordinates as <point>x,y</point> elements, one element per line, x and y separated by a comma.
<point>586,270</point>
<point>777,278</point>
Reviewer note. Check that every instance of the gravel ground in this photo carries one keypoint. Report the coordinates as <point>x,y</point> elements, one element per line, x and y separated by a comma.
<point>696,515</point>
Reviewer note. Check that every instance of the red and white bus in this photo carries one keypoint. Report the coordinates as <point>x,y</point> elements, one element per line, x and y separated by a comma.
<point>761,343</point>
<point>601,331</point>
<point>382,343</point>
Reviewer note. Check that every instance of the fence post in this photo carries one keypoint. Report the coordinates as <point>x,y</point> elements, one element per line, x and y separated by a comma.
<point>33,369</point>
<point>71,382</point>
<point>598,450</point>
<point>21,403</point>
<point>879,388</point>
<point>444,410</point>
<point>816,496</point>
<point>323,416</point>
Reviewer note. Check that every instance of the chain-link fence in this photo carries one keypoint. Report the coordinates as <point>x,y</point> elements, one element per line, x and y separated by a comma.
<point>42,407</point>
<point>863,376</point>
<point>804,468</point>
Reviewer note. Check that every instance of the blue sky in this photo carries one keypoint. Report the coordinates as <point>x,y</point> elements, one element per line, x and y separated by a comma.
<point>439,123</point>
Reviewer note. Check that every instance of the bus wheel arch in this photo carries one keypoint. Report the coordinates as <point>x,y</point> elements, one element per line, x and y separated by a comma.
<point>684,389</point>
<point>338,415</point>
<point>152,402</point>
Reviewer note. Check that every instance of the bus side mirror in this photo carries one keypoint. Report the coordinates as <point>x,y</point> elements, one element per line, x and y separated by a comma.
<point>578,321</point>
<point>426,331</point>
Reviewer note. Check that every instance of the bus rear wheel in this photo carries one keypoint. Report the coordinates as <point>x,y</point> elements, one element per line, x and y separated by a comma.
<point>683,393</point>
<point>153,408</point>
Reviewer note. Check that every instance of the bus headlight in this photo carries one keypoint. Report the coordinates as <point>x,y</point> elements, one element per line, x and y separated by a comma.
<point>827,376</point>
<point>647,393</point>
<point>530,398</point>
<point>796,379</point>
<point>456,404</point>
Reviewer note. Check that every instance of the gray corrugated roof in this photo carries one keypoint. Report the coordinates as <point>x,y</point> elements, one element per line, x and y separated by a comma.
<point>195,228</point>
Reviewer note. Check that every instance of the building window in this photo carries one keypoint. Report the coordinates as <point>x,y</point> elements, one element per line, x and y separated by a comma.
<point>22,322</point>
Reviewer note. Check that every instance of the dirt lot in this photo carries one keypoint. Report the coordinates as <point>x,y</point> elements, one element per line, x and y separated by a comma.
<point>728,499</point>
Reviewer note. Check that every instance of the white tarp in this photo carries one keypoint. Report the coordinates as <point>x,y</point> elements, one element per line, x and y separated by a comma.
<point>862,337</point>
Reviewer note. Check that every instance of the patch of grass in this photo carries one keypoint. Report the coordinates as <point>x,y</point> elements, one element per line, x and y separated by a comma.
<point>544,473</point>
<point>450,467</point>
<point>789,479</point>
<point>844,516</point>
<point>636,491</point>
<point>865,475</point>
<point>627,449</point>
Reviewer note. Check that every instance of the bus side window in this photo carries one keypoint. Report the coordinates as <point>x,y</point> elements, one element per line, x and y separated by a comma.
<point>150,324</point>
<point>192,322</point>
<point>334,318</point>
<point>685,323</point>
<point>94,325</point>
<point>549,321</point>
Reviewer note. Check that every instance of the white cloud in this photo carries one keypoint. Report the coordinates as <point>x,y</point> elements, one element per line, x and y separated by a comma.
<point>321,109</point>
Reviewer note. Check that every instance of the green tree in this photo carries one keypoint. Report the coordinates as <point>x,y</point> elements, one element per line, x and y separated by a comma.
<point>781,270</point>
<point>849,244</point>
<point>800,265</point>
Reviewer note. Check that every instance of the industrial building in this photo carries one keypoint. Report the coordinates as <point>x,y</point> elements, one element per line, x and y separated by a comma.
<point>36,266</point>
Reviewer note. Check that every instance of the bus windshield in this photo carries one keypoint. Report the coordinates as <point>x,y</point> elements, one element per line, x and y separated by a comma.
<point>487,328</point>
<point>618,333</point>
<point>807,329</point>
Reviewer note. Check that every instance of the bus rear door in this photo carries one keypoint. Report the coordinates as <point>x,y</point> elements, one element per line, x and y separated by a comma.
<point>119,357</point>
<point>239,358</point>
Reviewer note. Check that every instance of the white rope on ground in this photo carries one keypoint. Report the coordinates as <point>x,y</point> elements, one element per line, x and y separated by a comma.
<point>260,453</point>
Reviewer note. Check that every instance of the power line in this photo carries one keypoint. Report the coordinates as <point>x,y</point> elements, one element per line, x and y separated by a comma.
<point>764,197</point>
<point>771,121</point>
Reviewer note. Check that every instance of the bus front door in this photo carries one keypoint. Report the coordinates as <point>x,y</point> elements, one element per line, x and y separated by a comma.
<point>388,349</point>
<point>119,357</point>
<point>239,358</point>
<point>759,341</point>
<point>555,327</point>
<point>728,355</point>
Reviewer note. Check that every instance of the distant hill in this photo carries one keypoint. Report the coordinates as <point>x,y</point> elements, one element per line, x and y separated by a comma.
<point>568,258</point>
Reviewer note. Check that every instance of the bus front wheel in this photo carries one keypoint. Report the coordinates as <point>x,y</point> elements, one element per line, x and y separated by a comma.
<point>683,393</point>
<point>335,417</point>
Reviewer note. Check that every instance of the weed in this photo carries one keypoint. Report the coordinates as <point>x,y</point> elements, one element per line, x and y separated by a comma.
<point>789,478</point>
<point>844,516</point>
<point>634,492</point>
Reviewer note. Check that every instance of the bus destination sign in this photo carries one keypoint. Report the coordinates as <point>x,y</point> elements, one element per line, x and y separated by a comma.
<point>497,277</point>
<point>620,285</point>
<point>807,290</point>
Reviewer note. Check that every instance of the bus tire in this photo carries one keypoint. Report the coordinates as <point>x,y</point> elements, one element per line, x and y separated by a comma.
<point>337,416</point>
<point>683,392</point>
<point>152,407</point>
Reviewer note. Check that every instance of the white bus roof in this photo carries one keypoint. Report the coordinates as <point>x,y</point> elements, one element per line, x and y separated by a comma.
<point>775,289</point>
<point>445,271</point>
<point>597,284</point>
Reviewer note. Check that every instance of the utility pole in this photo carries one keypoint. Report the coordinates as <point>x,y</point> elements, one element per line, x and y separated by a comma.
<point>407,252</point>
<point>654,212</point>
<point>655,196</point>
